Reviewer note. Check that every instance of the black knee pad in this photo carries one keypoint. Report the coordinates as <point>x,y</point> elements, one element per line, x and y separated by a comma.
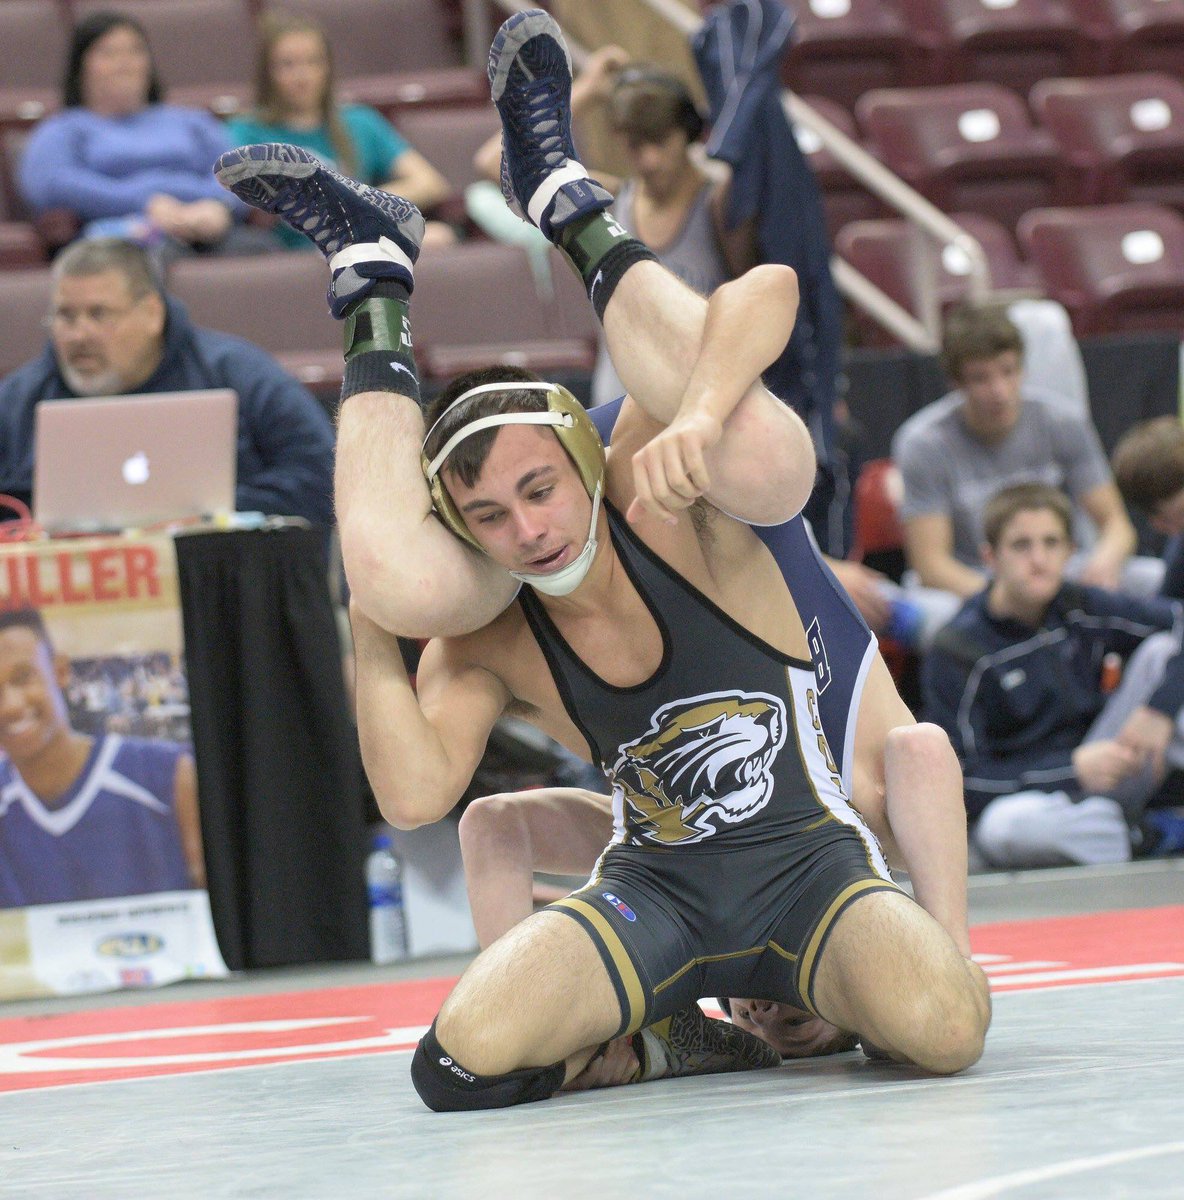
<point>445,1086</point>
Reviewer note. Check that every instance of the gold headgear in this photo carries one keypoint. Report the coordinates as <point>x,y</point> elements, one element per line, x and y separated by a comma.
<point>564,413</point>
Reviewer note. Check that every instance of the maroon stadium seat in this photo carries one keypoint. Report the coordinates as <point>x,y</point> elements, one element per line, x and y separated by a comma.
<point>1014,43</point>
<point>891,256</point>
<point>450,136</point>
<point>843,48</point>
<point>394,53</point>
<point>276,301</point>
<point>476,304</point>
<point>1115,267</point>
<point>1123,134</point>
<point>843,197</point>
<point>32,59</point>
<point>24,305</point>
<point>1135,35</point>
<point>967,147</point>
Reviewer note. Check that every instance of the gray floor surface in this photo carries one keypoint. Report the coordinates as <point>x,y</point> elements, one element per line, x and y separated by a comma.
<point>1080,1094</point>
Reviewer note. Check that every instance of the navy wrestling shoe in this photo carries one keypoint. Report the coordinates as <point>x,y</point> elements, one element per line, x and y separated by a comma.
<point>364,232</point>
<point>530,80</point>
<point>692,1043</point>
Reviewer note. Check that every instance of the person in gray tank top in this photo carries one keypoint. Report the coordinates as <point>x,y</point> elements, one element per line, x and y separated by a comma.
<point>667,201</point>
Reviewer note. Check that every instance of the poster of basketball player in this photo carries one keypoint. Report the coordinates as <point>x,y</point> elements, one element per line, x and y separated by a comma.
<point>100,837</point>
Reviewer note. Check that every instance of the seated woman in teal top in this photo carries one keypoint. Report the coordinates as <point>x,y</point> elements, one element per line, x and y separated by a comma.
<point>295,103</point>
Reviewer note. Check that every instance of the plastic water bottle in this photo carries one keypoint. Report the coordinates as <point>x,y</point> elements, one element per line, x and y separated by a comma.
<point>388,922</point>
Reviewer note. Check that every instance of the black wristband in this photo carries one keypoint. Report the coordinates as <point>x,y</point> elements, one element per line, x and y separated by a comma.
<point>380,371</point>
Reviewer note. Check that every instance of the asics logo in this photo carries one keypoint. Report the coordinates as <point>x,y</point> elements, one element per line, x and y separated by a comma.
<point>447,1062</point>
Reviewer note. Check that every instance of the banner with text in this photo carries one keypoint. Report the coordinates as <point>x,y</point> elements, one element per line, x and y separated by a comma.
<point>102,877</point>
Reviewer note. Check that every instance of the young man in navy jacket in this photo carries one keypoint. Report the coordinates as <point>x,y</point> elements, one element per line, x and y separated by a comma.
<point>1058,768</point>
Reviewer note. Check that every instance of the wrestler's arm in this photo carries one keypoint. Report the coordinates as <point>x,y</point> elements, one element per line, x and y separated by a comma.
<point>694,366</point>
<point>406,572</point>
<point>907,784</point>
<point>420,752</point>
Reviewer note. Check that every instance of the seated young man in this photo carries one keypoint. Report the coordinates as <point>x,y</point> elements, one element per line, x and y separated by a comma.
<point>654,636</point>
<point>1057,771</point>
<point>993,430</point>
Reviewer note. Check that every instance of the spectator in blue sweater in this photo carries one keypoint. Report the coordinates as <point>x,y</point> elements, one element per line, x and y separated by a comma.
<point>1058,768</point>
<point>114,331</point>
<point>125,163</point>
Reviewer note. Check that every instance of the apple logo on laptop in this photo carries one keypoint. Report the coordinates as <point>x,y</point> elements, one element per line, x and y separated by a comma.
<point>135,469</point>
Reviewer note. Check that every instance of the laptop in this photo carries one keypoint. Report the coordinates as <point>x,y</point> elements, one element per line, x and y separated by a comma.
<point>126,462</point>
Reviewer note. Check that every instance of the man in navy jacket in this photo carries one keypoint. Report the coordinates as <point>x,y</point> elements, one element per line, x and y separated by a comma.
<point>1057,767</point>
<point>114,331</point>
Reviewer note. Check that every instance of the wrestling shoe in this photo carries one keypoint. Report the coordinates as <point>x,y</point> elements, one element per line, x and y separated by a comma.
<point>692,1043</point>
<point>365,233</point>
<point>530,80</point>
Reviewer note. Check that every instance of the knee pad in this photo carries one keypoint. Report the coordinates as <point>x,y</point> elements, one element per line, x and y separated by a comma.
<point>445,1086</point>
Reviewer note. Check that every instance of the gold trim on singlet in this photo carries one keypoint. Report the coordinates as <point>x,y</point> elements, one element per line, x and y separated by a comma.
<point>809,958</point>
<point>630,981</point>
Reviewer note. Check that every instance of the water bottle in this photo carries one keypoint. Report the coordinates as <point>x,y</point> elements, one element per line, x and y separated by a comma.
<point>388,922</point>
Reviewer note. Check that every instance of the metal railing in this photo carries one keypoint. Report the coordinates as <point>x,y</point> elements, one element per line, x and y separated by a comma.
<point>931,230</point>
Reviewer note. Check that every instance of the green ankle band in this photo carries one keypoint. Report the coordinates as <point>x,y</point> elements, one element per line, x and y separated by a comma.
<point>601,251</point>
<point>587,242</point>
<point>378,324</point>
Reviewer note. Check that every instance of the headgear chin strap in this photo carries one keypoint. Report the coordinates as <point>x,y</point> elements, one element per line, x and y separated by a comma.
<point>578,437</point>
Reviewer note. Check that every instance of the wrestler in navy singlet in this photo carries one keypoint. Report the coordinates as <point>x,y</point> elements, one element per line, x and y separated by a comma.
<point>114,833</point>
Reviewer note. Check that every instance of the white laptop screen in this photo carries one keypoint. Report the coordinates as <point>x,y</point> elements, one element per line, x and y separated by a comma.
<point>121,462</point>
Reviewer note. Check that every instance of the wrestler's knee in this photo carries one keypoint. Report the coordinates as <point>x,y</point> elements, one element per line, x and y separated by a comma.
<point>944,1027</point>
<point>445,1084</point>
<point>491,821</point>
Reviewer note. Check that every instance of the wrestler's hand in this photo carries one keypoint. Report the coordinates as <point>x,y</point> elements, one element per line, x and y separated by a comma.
<point>669,472</point>
<point>616,1065</point>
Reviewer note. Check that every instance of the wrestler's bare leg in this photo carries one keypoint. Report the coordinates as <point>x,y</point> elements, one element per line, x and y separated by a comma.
<point>506,837</point>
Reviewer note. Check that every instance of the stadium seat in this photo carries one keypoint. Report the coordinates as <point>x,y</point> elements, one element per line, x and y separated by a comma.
<point>448,137</point>
<point>53,229</point>
<point>843,197</point>
<point>32,58</point>
<point>1009,42</point>
<point>1117,268</point>
<point>476,304</point>
<point>1135,35</point>
<point>24,305</point>
<point>967,147</point>
<point>843,48</point>
<point>276,301</point>
<point>1123,134</point>
<point>892,257</point>
<point>204,49</point>
<point>394,53</point>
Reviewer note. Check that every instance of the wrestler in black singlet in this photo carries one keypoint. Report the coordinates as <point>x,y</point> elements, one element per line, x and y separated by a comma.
<point>735,847</point>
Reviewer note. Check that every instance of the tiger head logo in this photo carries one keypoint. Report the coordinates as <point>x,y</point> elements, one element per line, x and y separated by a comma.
<point>704,761</point>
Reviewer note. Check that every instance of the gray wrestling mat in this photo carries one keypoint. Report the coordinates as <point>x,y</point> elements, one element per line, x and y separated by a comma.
<point>1078,1094</point>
